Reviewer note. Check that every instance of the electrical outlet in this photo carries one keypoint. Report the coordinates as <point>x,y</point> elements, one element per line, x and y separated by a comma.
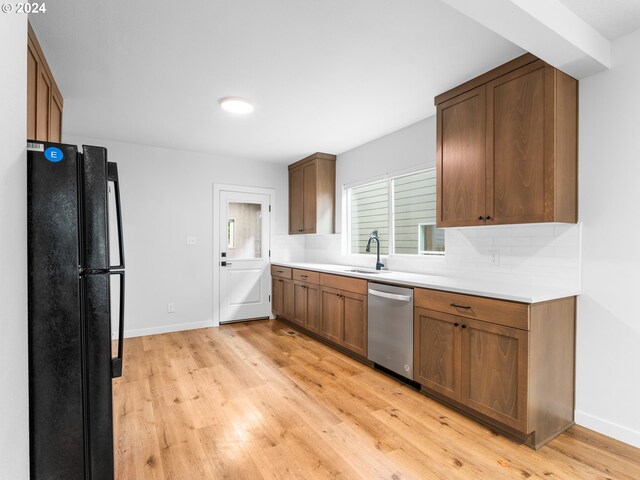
<point>171,307</point>
<point>191,240</point>
<point>494,257</point>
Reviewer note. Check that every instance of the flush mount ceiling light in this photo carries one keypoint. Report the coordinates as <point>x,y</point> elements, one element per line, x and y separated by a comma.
<point>236,105</point>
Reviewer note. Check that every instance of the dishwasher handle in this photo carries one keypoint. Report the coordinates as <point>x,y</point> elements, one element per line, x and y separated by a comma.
<point>392,296</point>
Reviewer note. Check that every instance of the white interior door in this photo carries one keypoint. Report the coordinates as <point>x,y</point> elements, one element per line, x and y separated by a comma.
<point>244,256</point>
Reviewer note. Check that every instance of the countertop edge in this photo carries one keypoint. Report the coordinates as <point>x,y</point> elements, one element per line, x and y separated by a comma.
<point>545,295</point>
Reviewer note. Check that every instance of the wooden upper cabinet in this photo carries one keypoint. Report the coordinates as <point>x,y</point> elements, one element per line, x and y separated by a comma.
<point>461,166</point>
<point>511,134</point>
<point>32,86</point>
<point>44,100</point>
<point>312,191</point>
<point>296,189</point>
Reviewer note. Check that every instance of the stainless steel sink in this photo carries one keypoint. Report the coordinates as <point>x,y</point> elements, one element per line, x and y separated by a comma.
<point>358,270</point>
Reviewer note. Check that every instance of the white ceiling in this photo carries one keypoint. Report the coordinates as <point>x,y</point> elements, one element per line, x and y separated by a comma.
<point>324,75</point>
<point>612,18</point>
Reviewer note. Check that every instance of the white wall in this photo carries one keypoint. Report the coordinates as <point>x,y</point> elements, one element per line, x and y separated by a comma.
<point>601,254</point>
<point>161,210</point>
<point>407,149</point>
<point>14,400</point>
<point>608,377</point>
<point>167,195</point>
<point>546,255</point>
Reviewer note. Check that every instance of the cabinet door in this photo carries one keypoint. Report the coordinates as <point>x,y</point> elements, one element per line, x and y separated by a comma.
<point>354,335</point>
<point>296,200</point>
<point>494,371</point>
<point>313,308</point>
<point>32,89</point>
<point>517,137</point>
<point>460,163</point>
<point>436,351</point>
<point>288,302</point>
<point>55,119</point>
<point>332,314</point>
<point>277,296</point>
<point>310,173</point>
<point>43,99</point>
<point>299,303</point>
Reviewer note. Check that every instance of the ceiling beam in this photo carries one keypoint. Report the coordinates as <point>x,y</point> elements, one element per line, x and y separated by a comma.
<point>548,29</point>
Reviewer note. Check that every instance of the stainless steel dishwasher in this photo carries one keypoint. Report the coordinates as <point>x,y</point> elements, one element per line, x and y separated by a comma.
<point>390,328</point>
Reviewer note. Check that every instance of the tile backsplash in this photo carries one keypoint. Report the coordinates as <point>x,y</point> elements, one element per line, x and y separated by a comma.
<point>537,254</point>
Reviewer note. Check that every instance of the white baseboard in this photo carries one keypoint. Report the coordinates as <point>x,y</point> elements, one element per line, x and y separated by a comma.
<point>177,327</point>
<point>610,429</point>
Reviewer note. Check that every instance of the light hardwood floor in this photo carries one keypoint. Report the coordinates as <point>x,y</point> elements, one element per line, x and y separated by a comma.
<point>260,401</point>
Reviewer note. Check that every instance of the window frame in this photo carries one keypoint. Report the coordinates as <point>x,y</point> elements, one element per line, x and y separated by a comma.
<point>389,178</point>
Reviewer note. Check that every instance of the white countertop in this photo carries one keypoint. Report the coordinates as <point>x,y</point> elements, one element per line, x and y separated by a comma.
<point>505,291</point>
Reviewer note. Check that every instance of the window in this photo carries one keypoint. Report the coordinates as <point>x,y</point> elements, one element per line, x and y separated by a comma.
<point>369,211</point>
<point>407,203</point>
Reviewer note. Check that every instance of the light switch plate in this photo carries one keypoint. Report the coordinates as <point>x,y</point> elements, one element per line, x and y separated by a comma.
<point>191,240</point>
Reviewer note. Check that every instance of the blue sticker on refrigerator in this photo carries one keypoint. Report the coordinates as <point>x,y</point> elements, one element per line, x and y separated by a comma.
<point>53,154</point>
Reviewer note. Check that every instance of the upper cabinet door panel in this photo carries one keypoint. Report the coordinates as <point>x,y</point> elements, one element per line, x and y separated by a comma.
<point>32,85</point>
<point>44,100</point>
<point>309,192</point>
<point>55,120</point>
<point>516,160</point>
<point>460,161</point>
<point>296,190</point>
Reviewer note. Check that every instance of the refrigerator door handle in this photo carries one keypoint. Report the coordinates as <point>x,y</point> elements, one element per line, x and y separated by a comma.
<point>113,177</point>
<point>116,363</point>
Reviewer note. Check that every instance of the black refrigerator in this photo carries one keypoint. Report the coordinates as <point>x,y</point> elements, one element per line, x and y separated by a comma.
<point>75,273</point>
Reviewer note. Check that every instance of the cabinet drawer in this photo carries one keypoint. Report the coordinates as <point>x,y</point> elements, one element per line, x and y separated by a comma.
<point>501,312</point>
<point>306,276</point>
<point>282,272</point>
<point>349,284</point>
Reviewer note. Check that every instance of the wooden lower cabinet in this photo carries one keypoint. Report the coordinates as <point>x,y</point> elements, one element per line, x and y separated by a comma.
<point>354,333</point>
<point>277,296</point>
<point>282,302</point>
<point>331,306</point>
<point>344,318</point>
<point>313,308</point>
<point>508,364</point>
<point>519,379</point>
<point>306,307</point>
<point>299,303</point>
<point>437,357</point>
<point>494,371</point>
<point>331,314</point>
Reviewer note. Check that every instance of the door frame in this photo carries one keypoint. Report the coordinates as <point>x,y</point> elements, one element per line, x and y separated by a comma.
<point>215,284</point>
